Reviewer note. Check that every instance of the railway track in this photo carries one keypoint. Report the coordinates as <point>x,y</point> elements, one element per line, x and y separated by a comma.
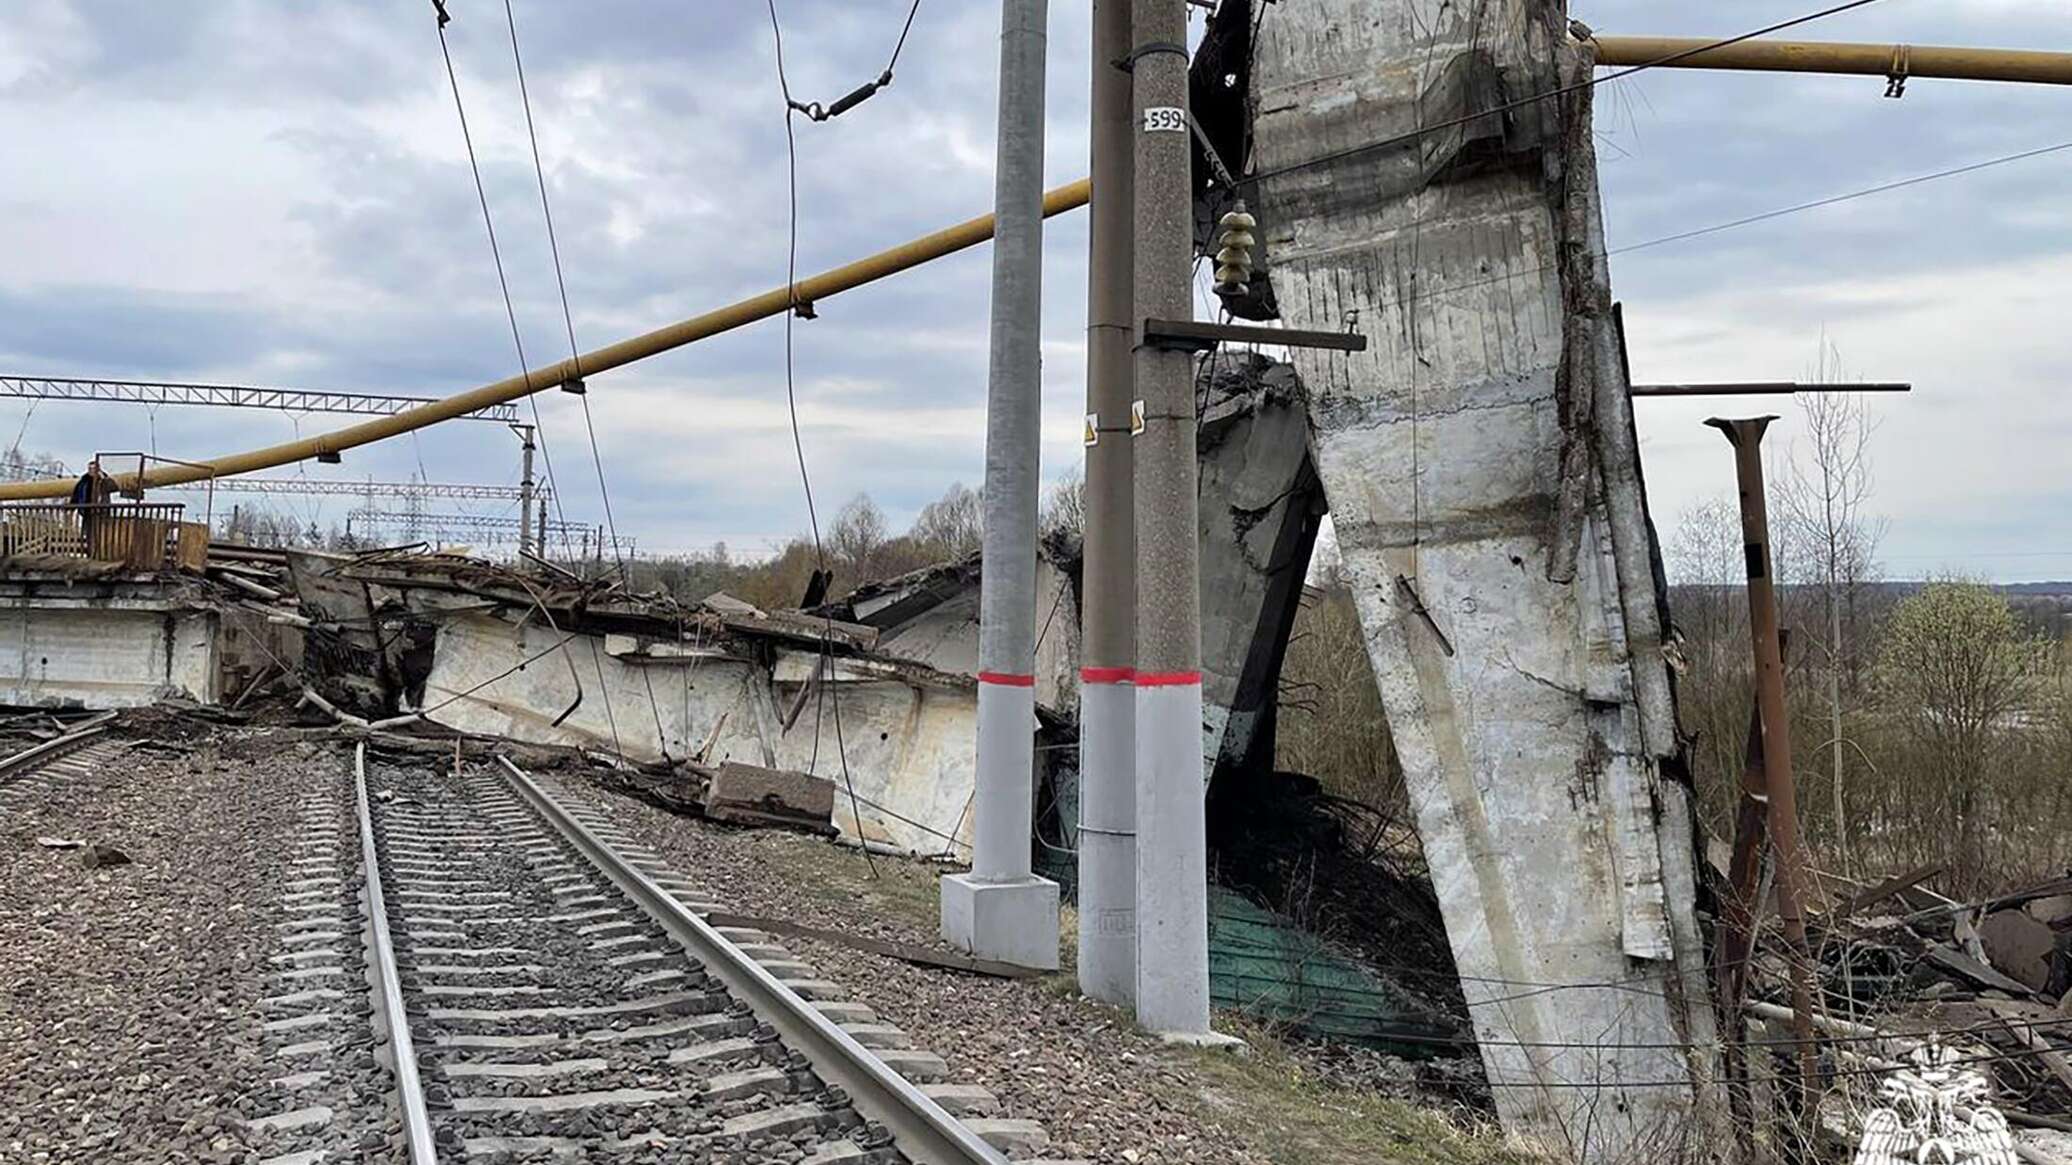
<point>83,748</point>
<point>544,989</point>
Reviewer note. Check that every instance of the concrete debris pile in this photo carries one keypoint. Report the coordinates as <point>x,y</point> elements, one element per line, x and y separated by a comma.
<point>1898,965</point>
<point>855,715</point>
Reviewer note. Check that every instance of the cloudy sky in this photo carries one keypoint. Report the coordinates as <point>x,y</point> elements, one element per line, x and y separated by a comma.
<point>267,193</point>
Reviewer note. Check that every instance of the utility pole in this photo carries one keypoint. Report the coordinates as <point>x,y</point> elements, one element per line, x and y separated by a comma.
<point>525,490</point>
<point>1001,910</point>
<point>1107,702</point>
<point>1172,858</point>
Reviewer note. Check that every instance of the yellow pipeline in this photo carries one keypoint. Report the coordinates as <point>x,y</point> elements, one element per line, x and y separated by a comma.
<point>944,242</point>
<point>1877,60</point>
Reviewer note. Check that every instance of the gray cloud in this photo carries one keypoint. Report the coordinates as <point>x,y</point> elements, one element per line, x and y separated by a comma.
<point>276,193</point>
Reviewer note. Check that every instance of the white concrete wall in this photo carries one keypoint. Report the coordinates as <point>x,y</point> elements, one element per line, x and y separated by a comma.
<point>910,752</point>
<point>909,746</point>
<point>79,653</point>
<point>694,704</point>
<point>945,637</point>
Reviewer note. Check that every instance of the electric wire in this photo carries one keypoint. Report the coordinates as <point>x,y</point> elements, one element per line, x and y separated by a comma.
<point>829,688</point>
<point>510,310</point>
<point>1404,301</point>
<point>576,362</point>
<point>496,253</point>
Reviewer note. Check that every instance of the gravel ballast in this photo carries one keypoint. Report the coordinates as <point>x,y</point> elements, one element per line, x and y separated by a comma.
<point>1104,1090</point>
<point>127,1031</point>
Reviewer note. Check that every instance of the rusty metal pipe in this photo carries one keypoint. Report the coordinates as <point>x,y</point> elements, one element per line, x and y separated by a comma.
<point>1740,909</point>
<point>1746,436</point>
<point>970,233</point>
<point>1871,60</point>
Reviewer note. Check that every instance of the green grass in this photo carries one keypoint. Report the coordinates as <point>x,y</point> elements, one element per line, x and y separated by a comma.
<point>1265,1100</point>
<point>1269,1102</point>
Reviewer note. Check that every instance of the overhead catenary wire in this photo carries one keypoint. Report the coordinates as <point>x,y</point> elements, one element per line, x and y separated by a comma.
<point>511,313</point>
<point>576,360</point>
<point>496,253</point>
<point>862,93</point>
<point>828,689</point>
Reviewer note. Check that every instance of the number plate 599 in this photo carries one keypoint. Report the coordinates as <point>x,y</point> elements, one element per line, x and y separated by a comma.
<point>1165,118</point>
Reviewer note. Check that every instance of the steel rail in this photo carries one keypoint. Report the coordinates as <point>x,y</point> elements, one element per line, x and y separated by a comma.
<point>37,755</point>
<point>922,1129</point>
<point>417,1116</point>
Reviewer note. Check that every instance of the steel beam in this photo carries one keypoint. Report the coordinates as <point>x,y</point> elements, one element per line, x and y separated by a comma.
<point>166,392</point>
<point>1762,388</point>
<point>361,489</point>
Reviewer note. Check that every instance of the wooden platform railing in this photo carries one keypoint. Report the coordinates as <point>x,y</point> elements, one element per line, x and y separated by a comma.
<point>140,535</point>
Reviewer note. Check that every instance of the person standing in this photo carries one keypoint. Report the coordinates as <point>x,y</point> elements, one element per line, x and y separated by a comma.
<point>89,494</point>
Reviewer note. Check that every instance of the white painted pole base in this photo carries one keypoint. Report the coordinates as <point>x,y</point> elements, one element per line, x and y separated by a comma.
<point>1003,811</point>
<point>1009,922</point>
<point>1000,910</point>
<point>1172,859</point>
<point>1107,837</point>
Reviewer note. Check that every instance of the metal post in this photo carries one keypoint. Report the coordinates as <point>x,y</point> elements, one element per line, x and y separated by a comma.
<point>1107,704</point>
<point>1172,859</point>
<point>1000,910</point>
<point>1747,439</point>
<point>525,487</point>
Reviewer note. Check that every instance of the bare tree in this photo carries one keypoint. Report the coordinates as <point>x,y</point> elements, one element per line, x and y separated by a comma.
<point>1833,540</point>
<point>1064,511</point>
<point>859,536</point>
<point>1710,624</point>
<point>952,526</point>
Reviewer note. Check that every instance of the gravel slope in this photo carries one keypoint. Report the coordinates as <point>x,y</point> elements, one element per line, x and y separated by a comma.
<point>126,1030</point>
<point>1105,1091</point>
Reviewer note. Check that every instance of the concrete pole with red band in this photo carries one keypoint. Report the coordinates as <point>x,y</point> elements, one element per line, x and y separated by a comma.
<point>1107,836</point>
<point>1000,910</point>
<point>1172,859</point>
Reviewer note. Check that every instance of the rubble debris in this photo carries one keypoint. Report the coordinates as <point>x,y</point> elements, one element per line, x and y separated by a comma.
<point>2019,945</point>
<point>753,795</point>
<point>1987,978</point>
<point>96,856</point>
<point>734,793</point>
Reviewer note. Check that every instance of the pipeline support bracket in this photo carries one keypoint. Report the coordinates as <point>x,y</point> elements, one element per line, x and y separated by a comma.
<point>1195,336</point>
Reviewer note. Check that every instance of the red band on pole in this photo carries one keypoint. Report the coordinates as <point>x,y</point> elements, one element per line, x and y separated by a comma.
<point>1106,675</point>
<point>1167,679</point>
<point>1006,679</point>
